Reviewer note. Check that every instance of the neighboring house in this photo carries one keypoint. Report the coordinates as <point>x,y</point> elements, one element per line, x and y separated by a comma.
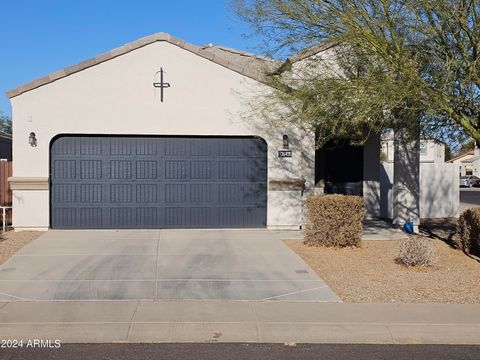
<point>158,134</point>
<point>431,151</point>
<point>467,163</point>
<point>5,147</point>
<point>438,180</point>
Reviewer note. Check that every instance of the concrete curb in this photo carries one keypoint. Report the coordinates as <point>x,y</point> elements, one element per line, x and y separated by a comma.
<point>240,321</point>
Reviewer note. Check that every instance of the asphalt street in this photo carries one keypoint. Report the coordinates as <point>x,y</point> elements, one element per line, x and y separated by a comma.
<point>469,197</point>
<point>244,351</point>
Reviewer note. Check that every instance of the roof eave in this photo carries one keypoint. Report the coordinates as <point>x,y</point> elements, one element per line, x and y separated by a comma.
<point>313,50</point>
<point>461,156</point>
<point>161,36</point>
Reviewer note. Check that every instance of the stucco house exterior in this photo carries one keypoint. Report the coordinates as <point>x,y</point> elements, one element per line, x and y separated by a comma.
<point>467,163</point>
<point>431,151</point>
<point>96,147</point>
<point>159,134</point>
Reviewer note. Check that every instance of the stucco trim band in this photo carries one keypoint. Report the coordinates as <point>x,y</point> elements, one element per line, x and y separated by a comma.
<point>28,183</point>
<point>286,185</point>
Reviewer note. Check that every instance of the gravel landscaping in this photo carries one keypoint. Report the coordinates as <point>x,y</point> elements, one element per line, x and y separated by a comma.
<point>11,242</point>
<point>370,274</point>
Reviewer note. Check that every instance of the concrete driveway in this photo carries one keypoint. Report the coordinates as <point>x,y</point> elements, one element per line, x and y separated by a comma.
<point>161,265</point>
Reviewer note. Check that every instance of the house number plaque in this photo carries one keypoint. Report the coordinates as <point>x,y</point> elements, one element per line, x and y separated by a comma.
<point>284,153</point>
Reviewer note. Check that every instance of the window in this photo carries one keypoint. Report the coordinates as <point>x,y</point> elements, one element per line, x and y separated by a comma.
<point>423,148</point>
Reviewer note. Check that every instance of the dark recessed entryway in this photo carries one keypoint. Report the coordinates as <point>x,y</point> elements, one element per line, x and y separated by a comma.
<point>339,165</point>
<point>110,182</point>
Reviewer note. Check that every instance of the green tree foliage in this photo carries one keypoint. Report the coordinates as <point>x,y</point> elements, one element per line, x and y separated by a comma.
<point>395,62</point>
<point>466,147</point>
<point>448,153</point>
<point>5,124</point>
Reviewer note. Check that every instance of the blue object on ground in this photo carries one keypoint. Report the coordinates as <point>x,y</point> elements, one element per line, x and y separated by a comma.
<point>408,227</point>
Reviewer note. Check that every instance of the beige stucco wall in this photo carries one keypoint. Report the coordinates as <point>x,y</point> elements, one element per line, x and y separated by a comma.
<point>433,152</point>
<point>118,97</point>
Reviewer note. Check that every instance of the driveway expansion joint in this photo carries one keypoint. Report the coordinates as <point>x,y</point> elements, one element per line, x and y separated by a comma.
<point>294,293</point>
<point>131,320</point>
<point>257,323</point>
<point>155,295</point>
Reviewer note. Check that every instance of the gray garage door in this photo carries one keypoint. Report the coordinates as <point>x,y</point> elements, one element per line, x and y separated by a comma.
<point>109,182</point>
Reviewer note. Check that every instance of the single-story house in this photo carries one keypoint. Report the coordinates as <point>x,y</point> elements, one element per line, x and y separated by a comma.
<point>158,134</point>
<point>467,163</point>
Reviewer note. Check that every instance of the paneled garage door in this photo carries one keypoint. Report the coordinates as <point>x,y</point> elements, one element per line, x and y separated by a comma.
<point>109,182</point>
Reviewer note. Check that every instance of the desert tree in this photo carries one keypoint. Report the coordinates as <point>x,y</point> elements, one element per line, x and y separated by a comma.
<point>5,124</point>
<point>410,64</point>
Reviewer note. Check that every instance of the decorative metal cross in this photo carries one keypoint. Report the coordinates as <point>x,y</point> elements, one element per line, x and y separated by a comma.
<point>162,85</point>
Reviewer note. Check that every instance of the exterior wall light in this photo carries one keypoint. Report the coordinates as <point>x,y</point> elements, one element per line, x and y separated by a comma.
<point>285,142</point>
<point>32,140</point>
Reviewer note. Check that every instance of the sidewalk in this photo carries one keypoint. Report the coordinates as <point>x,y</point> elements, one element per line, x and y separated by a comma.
<point>240,321</point>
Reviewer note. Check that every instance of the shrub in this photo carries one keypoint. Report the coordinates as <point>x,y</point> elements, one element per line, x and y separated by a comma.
<point>334,220</point>
<point>468,231</point>
<point>415,251</point>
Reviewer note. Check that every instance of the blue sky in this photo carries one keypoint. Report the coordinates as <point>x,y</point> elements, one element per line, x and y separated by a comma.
<point>41,36</point>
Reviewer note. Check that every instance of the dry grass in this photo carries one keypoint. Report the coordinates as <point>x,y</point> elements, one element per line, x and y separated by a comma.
<point>370,274</point>
<point>417,251</point>
<point>11,242</point>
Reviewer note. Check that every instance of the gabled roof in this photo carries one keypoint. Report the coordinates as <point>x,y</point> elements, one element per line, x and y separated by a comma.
<point>306,53</point>
<point>468,153</point>
<point>246,64</point>
<point>312,50</point>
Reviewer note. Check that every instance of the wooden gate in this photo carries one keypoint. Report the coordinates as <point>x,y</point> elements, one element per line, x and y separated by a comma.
<point>5,192</point>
